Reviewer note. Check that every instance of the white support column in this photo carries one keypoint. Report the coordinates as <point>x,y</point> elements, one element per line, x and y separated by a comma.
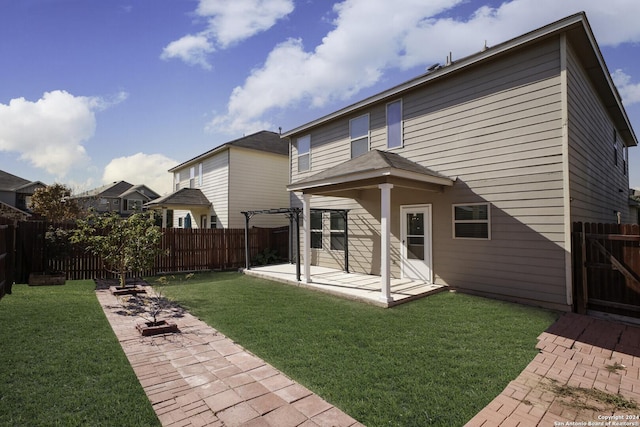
<point>164,218</point>
<point>306,232</point>
<point>385,239</point>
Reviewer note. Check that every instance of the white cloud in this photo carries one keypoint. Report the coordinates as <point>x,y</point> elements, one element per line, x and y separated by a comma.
<point>228,22</point>
<point>370,39</point>
<point>231,21</point>
<point>50,133</point>
<point>630,92</point>
<point>191,49</point>
<point>148,169</point>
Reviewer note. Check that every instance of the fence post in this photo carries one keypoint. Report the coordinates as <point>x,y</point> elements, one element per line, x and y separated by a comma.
<point>585,287</point>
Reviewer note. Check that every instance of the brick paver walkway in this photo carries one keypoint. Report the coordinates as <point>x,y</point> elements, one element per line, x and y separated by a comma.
<point>578,354</point>
<point>199,377</point>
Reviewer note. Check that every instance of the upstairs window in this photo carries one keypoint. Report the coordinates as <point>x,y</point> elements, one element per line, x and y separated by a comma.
<point>471,221</point>
<point>359,134</point>
<point>177,180</point>
<point>304,147</point>
<point>394,124</point>
<point>192,177</point>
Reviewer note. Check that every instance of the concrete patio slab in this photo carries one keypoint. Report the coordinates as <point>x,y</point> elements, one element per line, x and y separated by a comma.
<point>355,286</point>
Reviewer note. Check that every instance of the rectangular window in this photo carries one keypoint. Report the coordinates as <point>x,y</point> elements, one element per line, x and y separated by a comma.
<point>304,148</point>
<point>192,177</point>
<point>359,134</point>
<point>316,230</point>
<point>180,222</point>
<point>177,181</point>
<point>471,221</point>
<point>134,205</point>
<point>337,225</point>
<point>394,124</point>
<point>213,223</point>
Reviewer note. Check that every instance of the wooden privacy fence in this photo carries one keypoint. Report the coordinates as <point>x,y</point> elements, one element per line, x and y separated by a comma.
<point>6,258</point>
<point>606,268</point>
<point>183,250</point>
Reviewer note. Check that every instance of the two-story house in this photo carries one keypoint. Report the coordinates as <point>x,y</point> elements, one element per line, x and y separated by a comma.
<point>120,196</point>
<point>472,174</point>
<point>213,188</point>
<point>15,195</point>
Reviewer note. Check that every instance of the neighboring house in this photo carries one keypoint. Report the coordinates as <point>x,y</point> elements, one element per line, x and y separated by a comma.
<point>212,189</point>
<point>15,195</point>
<point>121,197</point>
<point>472,174</point>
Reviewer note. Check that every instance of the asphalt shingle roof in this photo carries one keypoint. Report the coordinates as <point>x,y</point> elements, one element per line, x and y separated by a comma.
<point>372,161</point>
<point>9,182</point>
<point>184,196</point>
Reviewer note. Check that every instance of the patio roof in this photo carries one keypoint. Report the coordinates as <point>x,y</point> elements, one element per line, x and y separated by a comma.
<point>368,171</point>
<point>183,198</point>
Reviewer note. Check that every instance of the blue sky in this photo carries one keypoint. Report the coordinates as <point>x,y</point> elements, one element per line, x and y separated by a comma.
<point>93,91</point>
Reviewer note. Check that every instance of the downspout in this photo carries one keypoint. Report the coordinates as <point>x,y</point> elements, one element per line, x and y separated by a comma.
<point>566,178</point>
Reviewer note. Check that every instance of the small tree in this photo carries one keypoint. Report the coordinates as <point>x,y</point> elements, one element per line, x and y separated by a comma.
<point>124,244</point>
<point>53,202</point>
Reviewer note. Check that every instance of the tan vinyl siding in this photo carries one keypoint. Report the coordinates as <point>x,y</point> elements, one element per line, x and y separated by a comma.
<point>497,128</point>
<point>598,187</point>
<point>215,186</point>
<point>257,181</point>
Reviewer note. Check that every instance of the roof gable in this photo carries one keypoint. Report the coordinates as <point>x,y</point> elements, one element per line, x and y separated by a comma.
<point>142,190</point>
<point>9,182</point>
<point>182,197</point>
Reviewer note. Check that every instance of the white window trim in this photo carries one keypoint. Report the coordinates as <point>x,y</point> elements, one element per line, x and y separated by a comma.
<point>473,221</point>
<point>401,123</point>
<point>308,153</point>
<point>368,136</point>
<point>177,181</point>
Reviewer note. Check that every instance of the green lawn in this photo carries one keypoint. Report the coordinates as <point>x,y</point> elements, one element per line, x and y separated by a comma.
<point>61,364</point>
<point>435,361</point>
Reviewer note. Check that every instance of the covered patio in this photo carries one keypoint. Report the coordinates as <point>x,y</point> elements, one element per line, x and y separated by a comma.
<point>383,171</point>
<point>355,286</point>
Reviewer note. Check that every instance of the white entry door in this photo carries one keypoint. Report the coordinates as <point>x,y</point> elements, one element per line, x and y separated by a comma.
<point>416,242</point>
